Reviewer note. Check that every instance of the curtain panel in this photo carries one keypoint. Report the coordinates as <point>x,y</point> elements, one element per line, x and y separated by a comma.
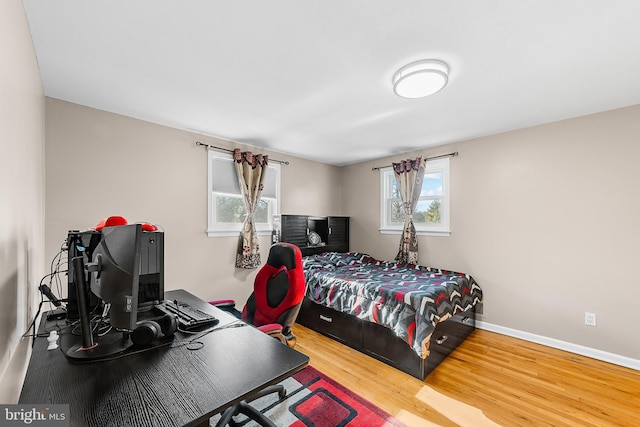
<point>250,170</point>
<point>409,176</point>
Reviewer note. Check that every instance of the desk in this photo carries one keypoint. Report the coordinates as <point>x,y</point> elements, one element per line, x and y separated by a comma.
<point>166,386</point>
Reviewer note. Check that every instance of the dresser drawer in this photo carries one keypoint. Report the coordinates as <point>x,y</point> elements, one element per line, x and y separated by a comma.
<point>450,333</point>
<point>381,343</point>
<point>337,325</point>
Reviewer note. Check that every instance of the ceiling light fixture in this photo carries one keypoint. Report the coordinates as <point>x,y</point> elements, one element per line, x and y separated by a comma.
<point>421,78</point>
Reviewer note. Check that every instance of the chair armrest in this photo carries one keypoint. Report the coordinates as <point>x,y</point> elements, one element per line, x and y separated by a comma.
<point>273,330</point>
<point>228,303</point>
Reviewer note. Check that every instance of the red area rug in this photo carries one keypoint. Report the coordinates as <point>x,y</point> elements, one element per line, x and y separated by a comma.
<point>315,400</point>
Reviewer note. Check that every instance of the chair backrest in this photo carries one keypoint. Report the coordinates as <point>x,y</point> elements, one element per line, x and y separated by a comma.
<point>278,289</point>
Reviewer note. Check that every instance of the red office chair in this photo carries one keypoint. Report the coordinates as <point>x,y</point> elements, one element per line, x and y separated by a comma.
<point>277,295</point>
<point>273,307</point>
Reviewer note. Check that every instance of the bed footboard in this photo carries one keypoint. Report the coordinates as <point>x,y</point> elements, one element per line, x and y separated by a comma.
<point>380,342</point>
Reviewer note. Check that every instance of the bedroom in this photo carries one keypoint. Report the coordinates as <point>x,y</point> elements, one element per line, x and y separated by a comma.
<point>520,210</point>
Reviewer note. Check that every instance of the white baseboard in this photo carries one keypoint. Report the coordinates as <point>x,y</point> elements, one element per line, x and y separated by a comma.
<point>616,359</point>
<point>13,376</point>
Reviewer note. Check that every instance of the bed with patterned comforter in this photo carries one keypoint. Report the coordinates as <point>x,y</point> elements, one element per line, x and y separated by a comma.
<point>408,299</point>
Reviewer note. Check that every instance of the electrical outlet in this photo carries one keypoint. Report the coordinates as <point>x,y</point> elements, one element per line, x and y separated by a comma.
<point>590,319</point>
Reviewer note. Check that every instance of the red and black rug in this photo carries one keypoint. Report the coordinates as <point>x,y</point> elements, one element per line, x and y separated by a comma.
<point>315,400</point>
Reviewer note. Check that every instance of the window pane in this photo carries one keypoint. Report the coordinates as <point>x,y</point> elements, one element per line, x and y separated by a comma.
<point>231,210</point>
<point>223,176</point>
<point>392,187</point>
<point>261,215</point>
<point>432,210</point>
<point>396,212</point>
<point>224,179</point>
<point>427,211</point>
<point>432,184</point>
<point>270,184</point>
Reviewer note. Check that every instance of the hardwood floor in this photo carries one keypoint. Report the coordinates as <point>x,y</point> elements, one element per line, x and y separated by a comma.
<point>489,380</point>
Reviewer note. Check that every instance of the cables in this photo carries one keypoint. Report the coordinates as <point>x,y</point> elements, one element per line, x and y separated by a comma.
<point>191,343</point>
<point>32,325</point>
<point>59,264</point>
<point>195,344</point>
<point>56,268</point>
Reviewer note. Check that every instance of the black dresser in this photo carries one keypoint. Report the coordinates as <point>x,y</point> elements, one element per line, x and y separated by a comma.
<point>316,234</point>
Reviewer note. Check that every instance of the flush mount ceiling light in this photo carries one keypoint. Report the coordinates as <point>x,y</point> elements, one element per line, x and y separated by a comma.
<point>421,78</point>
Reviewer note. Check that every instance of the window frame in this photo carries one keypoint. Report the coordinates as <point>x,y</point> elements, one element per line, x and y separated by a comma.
<point>442,229</point>
<point>225,229</point>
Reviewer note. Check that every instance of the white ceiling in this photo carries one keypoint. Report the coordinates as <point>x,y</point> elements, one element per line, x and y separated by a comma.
<point>313,78</point>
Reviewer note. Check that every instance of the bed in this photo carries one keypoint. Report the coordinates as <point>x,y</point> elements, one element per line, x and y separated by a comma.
<point>408,316</point>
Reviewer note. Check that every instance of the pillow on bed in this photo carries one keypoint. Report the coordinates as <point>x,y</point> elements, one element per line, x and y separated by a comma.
<point>313,261</point>
<point>333,260</point>
<point>347,258</point>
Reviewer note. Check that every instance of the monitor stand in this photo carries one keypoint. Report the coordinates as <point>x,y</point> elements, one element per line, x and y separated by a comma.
<point>110,344</point>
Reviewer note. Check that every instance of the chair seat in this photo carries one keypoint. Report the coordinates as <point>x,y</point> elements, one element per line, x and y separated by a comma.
<point>278,291</point>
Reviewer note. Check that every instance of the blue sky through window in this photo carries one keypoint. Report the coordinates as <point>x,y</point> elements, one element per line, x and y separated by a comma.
<point>432,184</point>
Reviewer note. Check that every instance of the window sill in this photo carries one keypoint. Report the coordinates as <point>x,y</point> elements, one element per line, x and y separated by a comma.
<point>444,233</point>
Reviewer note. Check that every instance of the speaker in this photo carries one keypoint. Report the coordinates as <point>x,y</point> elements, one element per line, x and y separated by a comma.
<point>151,330</point>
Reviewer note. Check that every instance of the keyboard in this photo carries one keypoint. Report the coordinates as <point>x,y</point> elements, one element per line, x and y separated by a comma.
<point>188,317</point>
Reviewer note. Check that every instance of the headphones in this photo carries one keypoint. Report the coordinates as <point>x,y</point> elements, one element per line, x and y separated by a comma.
<point>148,331</point>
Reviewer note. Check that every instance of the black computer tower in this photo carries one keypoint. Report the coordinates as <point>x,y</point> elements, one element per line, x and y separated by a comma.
<point>151,273</point>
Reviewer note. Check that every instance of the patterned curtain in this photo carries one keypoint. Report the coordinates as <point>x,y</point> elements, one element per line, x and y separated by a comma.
<point>250,170</point>
<point>409,175</point>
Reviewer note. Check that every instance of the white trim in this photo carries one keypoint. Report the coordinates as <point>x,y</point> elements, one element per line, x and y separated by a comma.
<point>443,229</point>
<point>215,229</point>
<point>593,353</point>
<point>234,233</point>
<point>398,231</point>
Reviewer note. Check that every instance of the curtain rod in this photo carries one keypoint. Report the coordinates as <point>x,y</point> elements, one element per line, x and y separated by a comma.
<point>454,154</point>
<point>213,147</point>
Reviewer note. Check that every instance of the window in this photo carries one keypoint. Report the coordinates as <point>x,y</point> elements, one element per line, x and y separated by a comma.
<point>225,204</point>
<point>431,215</point>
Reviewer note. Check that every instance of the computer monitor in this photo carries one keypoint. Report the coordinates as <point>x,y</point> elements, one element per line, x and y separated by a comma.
<point>80,244</point>
<point>127,274</point>
<point>127,269</point>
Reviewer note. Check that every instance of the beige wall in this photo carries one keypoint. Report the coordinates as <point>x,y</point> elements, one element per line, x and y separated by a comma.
<point>101,164</point>
<point>21,194</point>
<point>527,212</point>
<point>544,218</point>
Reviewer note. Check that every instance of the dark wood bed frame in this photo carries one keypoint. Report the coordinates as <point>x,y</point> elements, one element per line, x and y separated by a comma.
<point>380,342</point>
<point>369,338</point>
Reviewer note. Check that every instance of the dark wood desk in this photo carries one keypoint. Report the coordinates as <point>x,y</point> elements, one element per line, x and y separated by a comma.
<point>166,386</point>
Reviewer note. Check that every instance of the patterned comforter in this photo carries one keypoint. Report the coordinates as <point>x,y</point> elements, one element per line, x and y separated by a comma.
<point>409,299</point>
